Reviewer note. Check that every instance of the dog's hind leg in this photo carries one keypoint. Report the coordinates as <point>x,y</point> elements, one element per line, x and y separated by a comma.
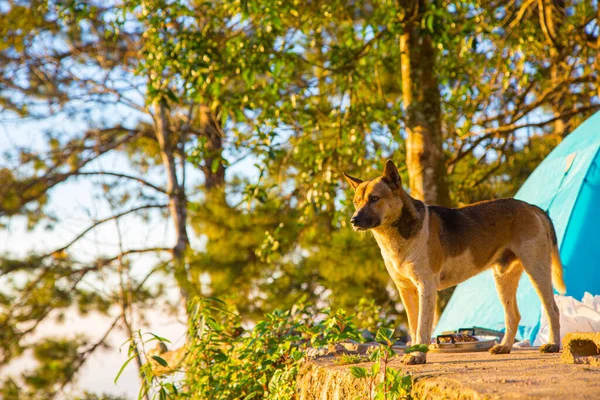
<point>506,276</point>
<point>540,273</point>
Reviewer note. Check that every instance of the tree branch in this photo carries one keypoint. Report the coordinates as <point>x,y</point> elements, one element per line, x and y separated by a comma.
<point>100,222</point>
<point>125,176</point>
<point>53,178</point>
<point>513,127</point>
<point>105,261</point>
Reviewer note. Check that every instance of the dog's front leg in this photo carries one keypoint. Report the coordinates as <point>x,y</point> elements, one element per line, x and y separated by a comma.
<point>410,300</point>
<point>427,297</point>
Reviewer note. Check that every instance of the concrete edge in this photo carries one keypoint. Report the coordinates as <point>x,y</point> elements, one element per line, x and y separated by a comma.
<point>581,348</point>
<point>432,387</point>
<point>327,382</point>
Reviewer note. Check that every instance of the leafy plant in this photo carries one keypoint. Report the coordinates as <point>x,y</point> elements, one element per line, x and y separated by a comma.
<point>384,382</point>
<point>371,316</point>
<point>344,359</point>
<point>224,361</point>
<point>423,348</point>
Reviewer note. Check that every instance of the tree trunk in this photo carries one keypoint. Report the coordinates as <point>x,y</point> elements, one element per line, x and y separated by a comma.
<point>213,168</point>
<point>546,15</point>
<point>598,47</point>
<point>177,201</point>
<point>421,98</point>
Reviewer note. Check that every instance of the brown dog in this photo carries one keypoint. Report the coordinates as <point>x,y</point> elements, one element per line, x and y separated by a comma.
<point>429,248</point>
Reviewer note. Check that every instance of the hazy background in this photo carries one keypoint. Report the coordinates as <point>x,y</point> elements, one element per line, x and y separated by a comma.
<point>158,152</point>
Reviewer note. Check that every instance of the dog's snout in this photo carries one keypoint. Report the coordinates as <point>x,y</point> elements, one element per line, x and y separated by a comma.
<point>361,221</point>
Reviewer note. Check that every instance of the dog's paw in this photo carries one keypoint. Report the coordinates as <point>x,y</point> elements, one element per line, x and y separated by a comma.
<point>500,349</point>
<point>549,348</point>
<point>414,358</point>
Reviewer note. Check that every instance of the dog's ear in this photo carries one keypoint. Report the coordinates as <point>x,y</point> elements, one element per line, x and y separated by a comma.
<point>354,182</point>
<point>391,175</point>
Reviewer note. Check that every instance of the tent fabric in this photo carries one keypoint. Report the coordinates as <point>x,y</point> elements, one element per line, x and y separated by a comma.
<point>567,185</point>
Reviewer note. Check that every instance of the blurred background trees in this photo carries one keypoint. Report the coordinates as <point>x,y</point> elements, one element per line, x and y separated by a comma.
<point>226,125</point>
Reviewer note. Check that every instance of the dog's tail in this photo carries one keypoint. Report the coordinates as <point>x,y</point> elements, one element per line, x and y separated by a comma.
<point>557,268</point>
<point>557,272</point>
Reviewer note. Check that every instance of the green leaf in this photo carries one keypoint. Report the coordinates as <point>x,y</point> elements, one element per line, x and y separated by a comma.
<point>358,372</point>
<point>223,119</point>
<point>159,338</point>
<point>245,10</point>
<point>215,165</point>
<point>385,335</point>
<point>161,361</point>
<point>417,347</point>
<point>122,368</point>
<point>124,343</point>
<point>215,299</point>
<point>174,389</point>
<point>171,96</point>
<point>430,22</point>
<point>213,324</point>
<point>375,368</point>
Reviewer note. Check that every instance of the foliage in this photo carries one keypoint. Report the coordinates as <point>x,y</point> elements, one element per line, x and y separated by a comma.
<point>57,360</point>
<point>94,396</point>
<point>224,362</point>
<point>384,382</point>
<point>423,348</point>
<point>371,316</point>
<point>230,122</point>
<point>344,359</point>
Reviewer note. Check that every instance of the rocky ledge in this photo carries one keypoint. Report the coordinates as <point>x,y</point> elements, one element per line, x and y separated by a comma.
<point>523,374</point>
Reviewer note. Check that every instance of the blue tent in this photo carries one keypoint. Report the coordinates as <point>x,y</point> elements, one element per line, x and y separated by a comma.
<point>567,185</point>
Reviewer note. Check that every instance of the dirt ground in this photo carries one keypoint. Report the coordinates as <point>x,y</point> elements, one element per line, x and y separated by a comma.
<point>523,374</point>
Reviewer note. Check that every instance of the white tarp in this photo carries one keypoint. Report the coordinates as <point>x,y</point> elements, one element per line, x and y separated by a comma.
<point>575,316</point>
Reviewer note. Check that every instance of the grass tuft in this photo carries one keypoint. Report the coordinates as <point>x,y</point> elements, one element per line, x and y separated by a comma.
<point>344,359</point>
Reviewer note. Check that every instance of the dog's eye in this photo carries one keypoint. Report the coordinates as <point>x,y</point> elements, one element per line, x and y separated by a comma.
<point>373,199</point>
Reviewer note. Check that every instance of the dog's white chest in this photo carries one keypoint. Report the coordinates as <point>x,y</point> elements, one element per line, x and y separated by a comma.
<point>402,262</point>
